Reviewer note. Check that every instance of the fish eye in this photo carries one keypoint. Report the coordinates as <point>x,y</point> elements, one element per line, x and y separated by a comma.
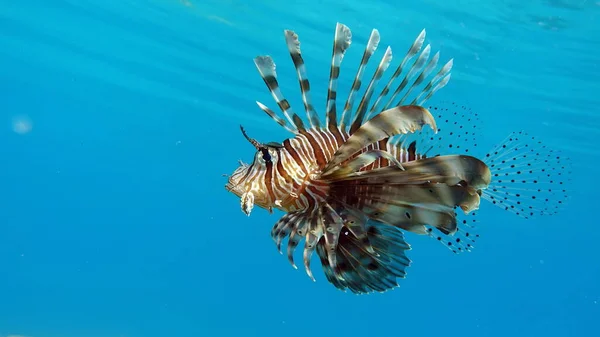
<point>265,154</point>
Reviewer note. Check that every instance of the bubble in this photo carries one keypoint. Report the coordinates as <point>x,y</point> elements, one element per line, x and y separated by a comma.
<point>21,124</point>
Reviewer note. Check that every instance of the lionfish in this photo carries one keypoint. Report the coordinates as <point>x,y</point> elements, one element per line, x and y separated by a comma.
<point>350,186</point>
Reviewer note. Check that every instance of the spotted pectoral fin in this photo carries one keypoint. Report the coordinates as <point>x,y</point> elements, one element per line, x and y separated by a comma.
<point>398,120</point>
<point>410,207</point>
<point>467,169</point>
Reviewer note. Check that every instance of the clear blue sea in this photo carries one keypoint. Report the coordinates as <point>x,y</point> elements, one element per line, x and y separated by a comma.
<point>119,118</point>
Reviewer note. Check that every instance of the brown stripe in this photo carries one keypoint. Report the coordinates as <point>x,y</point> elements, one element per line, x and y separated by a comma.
<point>331,94</point>
<point>284,104</point>
<point>280,169</point>
<point>311,202</point>
<point>290,149</point>
<point>332,117</point>
<point>304,85</point>
<point>269,179</point>
<point>336,134</point>
<point>298,122</point>
<point>335,71</point>
<point>412,149</point>
<point>271,82</point>
<point>284,172</point>
<point>316,191</point>
<point>245,177</point>
<point>329,145</point>
<point>296,58</point>
<point>319,183</point>
<point>316,148</point>
<point>383,146</point>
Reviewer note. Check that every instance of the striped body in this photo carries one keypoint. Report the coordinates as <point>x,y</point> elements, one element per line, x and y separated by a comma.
<point>292,175</point>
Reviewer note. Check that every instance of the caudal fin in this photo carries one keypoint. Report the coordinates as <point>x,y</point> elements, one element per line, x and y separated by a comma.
<point>528,178</point>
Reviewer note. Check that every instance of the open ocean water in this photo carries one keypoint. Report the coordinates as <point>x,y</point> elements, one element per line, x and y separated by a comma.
<point>118,119</point>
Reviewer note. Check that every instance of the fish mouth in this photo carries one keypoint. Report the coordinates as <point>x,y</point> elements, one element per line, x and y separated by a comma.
<point>233,180</point>
<point>234,188</point>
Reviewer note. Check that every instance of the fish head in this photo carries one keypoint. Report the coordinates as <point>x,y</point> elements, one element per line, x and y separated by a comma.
<point>251,182</point>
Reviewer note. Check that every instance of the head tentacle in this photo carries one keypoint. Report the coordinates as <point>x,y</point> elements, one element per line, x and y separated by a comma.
<point>252,141</point>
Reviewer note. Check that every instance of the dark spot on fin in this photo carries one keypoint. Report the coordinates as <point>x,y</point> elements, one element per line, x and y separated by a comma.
<point>528,178</point>
<point>457,133</point>
<point>463,240</point>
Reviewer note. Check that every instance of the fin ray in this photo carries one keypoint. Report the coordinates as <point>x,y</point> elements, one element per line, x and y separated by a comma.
<point>388,123</point>
<point>363,272</point>
<point>528,178</point>
<point>342,41</point>
<point>266,68</point>
<point>277,119</point>
<point>412,51</point>
<point>293,44</point>
<point>359,162</point>
<point>372,45</point>
<point>359,117</point>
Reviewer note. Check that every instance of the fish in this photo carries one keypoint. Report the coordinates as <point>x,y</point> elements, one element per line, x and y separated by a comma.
<point>353,184</point>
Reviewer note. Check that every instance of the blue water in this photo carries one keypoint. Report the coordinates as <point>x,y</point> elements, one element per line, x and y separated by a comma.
<point>118,119</point>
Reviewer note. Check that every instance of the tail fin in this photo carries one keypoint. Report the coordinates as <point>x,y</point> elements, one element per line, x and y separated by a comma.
<point>528,178</point>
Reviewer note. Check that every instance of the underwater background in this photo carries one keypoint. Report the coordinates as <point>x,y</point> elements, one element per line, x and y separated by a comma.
<point>119,118</point>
